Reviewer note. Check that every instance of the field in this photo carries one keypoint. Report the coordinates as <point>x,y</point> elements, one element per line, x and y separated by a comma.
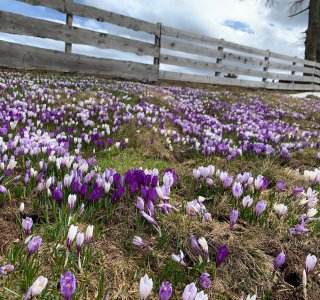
<point>210,190</point>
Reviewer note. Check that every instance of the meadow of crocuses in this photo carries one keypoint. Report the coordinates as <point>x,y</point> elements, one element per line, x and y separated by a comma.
<point>122,190</point>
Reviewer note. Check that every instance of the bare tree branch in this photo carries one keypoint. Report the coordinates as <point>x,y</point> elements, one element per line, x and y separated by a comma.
<point>299,12</point>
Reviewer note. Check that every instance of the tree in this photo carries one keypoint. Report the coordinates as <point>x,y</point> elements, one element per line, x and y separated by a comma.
<point>312,40</point>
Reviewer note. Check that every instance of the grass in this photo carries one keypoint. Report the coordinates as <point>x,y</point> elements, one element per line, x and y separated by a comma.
<point>113,266</point>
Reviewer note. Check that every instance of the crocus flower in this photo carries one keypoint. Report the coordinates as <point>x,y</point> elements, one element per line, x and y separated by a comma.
<point>71,235</point>
<point>21,208</point>
<point>2,189</point>
<point>33,245</point>
<point>204,245</point>
<point>201,296</point>
<point>4,270</point>
<point>71,202</point>
<point>261,183</point>
<point>140,203</point>
<point>260,208</point>
<point>281,209</point>
<point>165,292</point>
<point>190,292</point>
<point>233,218</point>
<point>299,228</point>
<point>178,258</point>
<point>137,241</point>
<point>36,289</point>
<point>280,186</point>
<point>89,234</point>
<point>67,285</point>
<point>206,217</point>
<point>26,225</point>
<point>311,261</point>
<point>146,285</point>
<point>221,255</point>
<point>80,240</point>
<point>247,201</point>
<point>279,261</point>
<point>237,190</point>
<point>205,280</point>
<point>195,244</point>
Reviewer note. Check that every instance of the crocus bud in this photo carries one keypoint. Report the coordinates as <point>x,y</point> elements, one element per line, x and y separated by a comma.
<point>21,208</point>
<point>280,260</point>
<point>260,208</point>
<point>221,255</point>
<point>233,218</point>
<point>33,245</point>
<point>311,261</point>
<point>205,281</point>
<point>27,225</point>
<point>89,234</point>
<point>80,240</point>
<point>165,292</point>
<point>71,202</point>
<point>195,244</point>
<point>137,241</point>
<point>81,211</point>
<point>67,285</point>
<point>71,235</point>
<point>204,245</point>
<point>237,190</point>
<point>146,285</point>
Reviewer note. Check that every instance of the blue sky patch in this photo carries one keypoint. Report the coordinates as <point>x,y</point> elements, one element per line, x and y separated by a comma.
<point>237,25</point>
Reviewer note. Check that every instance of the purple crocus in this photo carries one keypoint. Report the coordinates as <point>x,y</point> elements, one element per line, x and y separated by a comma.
<point>261,183</point>
<point>2,189</point>
<point>26,225</point>
<point>165,292</point>
<point>237,190</point>
<point>190,292</point>
<point>33,245</point>
<point>137,241</point>
<point>67,285</point>
<point>233,218</point>
<point>221,255</point>
<point>279,261</point>
<point>4,270</point>
<point>204,280</point>
<point>260,208</point>
<point>311,261</point>
<point>280,186</point>
<point>195,244</point>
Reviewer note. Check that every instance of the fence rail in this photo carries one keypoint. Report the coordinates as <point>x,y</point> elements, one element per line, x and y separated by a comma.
<point>190,57</point>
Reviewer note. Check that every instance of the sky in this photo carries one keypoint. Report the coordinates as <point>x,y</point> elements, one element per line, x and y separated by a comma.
<point>247,22</point>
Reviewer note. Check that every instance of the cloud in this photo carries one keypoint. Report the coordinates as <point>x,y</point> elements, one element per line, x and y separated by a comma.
<point>247,22</point>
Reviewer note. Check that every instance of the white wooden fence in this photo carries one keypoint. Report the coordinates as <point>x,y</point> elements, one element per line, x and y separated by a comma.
<point>192,57</point>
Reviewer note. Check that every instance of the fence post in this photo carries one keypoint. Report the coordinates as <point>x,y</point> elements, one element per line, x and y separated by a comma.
<point>157,43</point>
<point>69,21</point>
<point>219,60</point>
<point>266,67</point>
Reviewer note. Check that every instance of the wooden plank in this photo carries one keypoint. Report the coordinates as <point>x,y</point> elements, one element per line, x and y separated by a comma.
<point>289,86</point>
<point>173,76</point>
<point>176,45</point>
<point>285,67</point>
<point>292,59</point>
<point>208,66</point>
<point>185,35</point>
<point>18,24</point>
<point>100,15</point>
<point>25,57</point>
